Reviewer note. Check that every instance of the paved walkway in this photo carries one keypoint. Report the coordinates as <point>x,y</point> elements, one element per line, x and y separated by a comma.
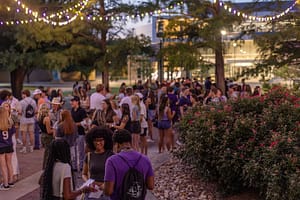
<point>27,187</point>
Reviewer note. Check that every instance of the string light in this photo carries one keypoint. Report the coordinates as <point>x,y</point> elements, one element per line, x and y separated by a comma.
<point>81,6</point>
<point>255,18</point>
<point>35,14</point>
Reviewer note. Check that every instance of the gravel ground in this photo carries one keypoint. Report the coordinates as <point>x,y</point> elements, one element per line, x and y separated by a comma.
<point>176,181</point>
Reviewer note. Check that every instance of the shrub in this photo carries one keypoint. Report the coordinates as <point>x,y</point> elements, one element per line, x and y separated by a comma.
<point>250,142</point>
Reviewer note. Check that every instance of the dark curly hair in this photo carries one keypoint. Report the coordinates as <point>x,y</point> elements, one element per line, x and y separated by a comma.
<point>59,151</point>
<point>122,136</point>
<point>99,132</point>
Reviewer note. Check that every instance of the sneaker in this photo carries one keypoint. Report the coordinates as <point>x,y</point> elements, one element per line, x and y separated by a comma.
<point>23,150</point>
<point>11,185</point>
<point>178,143</point>
<point>19,141</point>
<point>4,187</point>
<point>30,149</point>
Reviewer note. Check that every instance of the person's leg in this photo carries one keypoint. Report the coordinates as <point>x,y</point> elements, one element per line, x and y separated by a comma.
<point>134,142</point>
<point>169,137</point>
<point>23,129</point>
<point>150,129</point>
<point>3,168</point>
<point>36,135</point>
<point>15,163</point>
<point>81,152</point>
<point>144,147</point>
<point>73,157</point>
<point>143,141</point>
<point>31,136</point>
<point>10,173</point>
<point>161,140</point>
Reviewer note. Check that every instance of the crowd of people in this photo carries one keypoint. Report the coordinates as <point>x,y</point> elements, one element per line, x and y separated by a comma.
<point>99,131</point>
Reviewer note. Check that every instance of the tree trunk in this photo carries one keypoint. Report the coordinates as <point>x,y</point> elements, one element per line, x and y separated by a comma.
<point>105,76</point>
<point>104,31</point>
<point>17,77</point>
<point>219,59</point>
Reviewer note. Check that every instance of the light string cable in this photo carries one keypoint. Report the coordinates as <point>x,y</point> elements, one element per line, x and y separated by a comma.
<point>80,6</point>
<point>256,18</point>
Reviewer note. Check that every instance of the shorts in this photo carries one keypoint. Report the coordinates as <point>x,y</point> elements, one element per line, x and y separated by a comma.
<point>8,149</point>
<point>135,127</point>
<point>144,132</point>
<point>27,127</point>
<point>164,124</point>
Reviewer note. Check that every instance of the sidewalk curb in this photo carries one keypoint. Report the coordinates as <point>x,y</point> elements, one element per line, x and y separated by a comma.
<point>23,187</point>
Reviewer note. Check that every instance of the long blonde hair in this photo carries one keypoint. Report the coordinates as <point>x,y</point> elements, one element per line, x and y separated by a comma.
<point>4,119</point>
<point>43,111</point>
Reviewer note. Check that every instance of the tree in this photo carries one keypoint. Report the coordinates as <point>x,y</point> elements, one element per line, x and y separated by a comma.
<point>81,44</point>
<point>201,26</point>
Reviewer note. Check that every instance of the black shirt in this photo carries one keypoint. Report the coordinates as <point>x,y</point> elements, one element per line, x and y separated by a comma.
<point>78,116</point>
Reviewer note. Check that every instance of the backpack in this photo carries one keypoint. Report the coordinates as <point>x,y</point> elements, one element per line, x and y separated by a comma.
<point>29,111</point>
<point>133,185</point>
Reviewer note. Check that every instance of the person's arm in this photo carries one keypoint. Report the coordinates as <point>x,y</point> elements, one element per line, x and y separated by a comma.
<point>109,178</point>
<point>69,194</point>
<point>85,171</point>
<point>150,182</point>
<point>108,188</point>
<point>123,123</point>
<point>48,125</point>
<point>170,114</point>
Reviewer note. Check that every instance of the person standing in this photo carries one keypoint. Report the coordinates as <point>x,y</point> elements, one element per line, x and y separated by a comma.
<point>118,165</point>
<point>165,116</point>
<point>6,150</point>
<point>67,130</point>
<point>99,141</point>
<point>27,121</point>
<point>144,125</point>
<point>44,123</point>
<point>58,179</point>
<point>14,158</point>
<point>97,97</point>
<point>135,121</point>
<point>78,115</point>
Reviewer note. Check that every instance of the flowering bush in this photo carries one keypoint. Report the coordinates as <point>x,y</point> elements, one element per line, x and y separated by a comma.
<point>250,142</point>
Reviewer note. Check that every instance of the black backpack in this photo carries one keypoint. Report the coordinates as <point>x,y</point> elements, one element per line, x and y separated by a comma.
<point>133,185</point>
<point>29,111</point>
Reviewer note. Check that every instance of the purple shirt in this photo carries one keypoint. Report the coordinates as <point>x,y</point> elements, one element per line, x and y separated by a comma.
<point>6,138</point>
<point>116,168</point>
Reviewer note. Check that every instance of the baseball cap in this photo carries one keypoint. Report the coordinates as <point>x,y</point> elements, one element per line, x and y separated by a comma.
<point>37,91</point>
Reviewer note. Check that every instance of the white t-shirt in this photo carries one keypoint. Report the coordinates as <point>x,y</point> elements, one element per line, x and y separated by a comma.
<point>127,100</point>
<point>144,123</point>
<point>60,172</point>
<point>96,100</point>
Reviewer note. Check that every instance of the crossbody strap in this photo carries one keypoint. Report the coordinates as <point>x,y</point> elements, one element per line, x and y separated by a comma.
<point>128,162</point>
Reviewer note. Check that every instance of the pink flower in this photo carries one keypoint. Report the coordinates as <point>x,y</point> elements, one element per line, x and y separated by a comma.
<point>191,122</point>
<point>251,139</point>
<point>254,131</point>
<point>273,144</point>
<point>262,145</point>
